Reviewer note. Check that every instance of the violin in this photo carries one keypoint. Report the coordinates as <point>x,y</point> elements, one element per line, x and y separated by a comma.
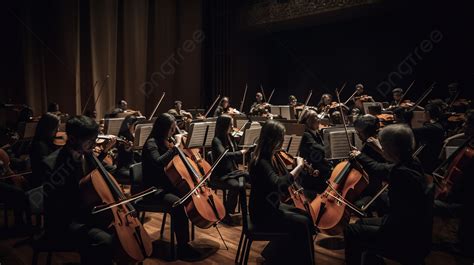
<point>452,169</point>
<point>204,208</point>
<point>18,180</point>
<point>99,187</point>
<point>60,139</point>
<point>295,190</point>
<point>290,160</point>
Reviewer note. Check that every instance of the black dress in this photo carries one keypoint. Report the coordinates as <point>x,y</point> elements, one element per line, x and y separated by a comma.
<point>267,213</point>
<point>155,157</point>
<point>226,174</point>
<point>404,233</point>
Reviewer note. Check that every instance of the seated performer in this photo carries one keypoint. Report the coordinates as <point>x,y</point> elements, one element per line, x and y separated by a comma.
<point>66,217</point>
<point>265,208</point>
<point>42,146</point>
<point>226,173</point>
<point>325,103</point>
<point>259,107</point>
<point>404,233</point>
<point>178,111</point>
<point>156,156</point>
<point>312,150</point>
<point>223,107</point>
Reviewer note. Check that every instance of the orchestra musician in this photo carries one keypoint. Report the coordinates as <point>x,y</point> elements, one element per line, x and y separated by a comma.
<point>227,174</point>
<point>125,154</point>
<point>266,210</point>
<point>404,233</point>
<point>367,127</point>
<point>66,218</point>
<point>432,134</point>
<point>178,111</point>
<point>293,101</point>
<point>259,107</point>
<point>42,146</point>
<point>324,103</point>
<point>312,150</point>
<point>360,97</point>
<point>122,110</point>
<point>156,155</point>
<point>223,108</point>
<point>453,92</point>
<point>458,202</point>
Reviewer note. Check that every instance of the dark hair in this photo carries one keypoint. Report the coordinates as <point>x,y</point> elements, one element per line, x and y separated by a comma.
<point>222,126</point>
<point>434,110</point>
<point>82,127</point>
<point>161,126</point>
<point>53,107</point>
<point>271,136</point>
<point>47,125</point>
<point>307,114</point>
<point>367,123</point>
<point>124,128</point>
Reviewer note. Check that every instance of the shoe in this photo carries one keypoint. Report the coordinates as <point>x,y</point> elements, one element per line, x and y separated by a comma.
<point>227,220</point>
<point>189,253</point>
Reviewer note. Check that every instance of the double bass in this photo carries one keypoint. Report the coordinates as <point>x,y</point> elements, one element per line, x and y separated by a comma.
<point>99,187</point>
<point>203,207</point>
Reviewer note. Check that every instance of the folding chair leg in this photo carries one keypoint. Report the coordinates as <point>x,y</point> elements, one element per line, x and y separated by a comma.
<point>247,252</point>
<point>244,248</point>
<point>237,255</point>
<point>163,223</point>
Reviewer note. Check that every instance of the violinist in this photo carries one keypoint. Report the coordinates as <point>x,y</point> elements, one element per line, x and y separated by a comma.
<point>404,233</point>
<point>453,93</point>
<point>432,134</point>
<point>324,103</point>
<point>227,173</point>
<point>125,154</point>
<point>122,110</point>
<point>312,150</point>
<point>266,210</point>
<point>293,101</point>
<point>360,97</point>
<point>178,111</point>
<point>224,107</point>
<point>42,146</point>
<point>259,107</point>
<point>156,155</point>
<point>67,220</point>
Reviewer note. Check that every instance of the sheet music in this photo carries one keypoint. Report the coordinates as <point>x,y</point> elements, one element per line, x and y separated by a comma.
<point>142,131</point>
<point>210,133</point>
<point>295,143</point>
<point>450,150</point>
<point>197,132</point>
<point>286,111</point>
<point>251,135</point>
<point>286,142</point>
<point>30,129</point>
<point>112,125</point>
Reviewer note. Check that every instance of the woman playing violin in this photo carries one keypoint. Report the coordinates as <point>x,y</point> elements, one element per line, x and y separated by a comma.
<point>226,173</point>
<point>66,218</point>
<point>265,208</point>
<point>404,233</point>
<point>157,154</point>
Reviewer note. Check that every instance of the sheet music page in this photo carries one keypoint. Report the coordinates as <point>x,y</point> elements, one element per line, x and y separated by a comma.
<point>286,142</point>
<point>295,145</point>
<point>275,110</point>
<point>210,133</point>
<point>142,131</point>
<point>197,132</point>
<point>251,135</point>
<point>30,129</point>
<point>339,146</point>
<point>285,112</point>
<point>113,125</point>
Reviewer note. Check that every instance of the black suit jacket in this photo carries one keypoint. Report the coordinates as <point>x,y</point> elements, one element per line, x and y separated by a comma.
<point>312,150</point>
<point>228,162</point>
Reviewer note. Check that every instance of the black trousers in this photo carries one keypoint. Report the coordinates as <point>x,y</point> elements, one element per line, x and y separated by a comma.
<point>178,215</point>
<point>296,248</point>
<point>231,183</point>
<point>16,199</point>
<point>96,246</point>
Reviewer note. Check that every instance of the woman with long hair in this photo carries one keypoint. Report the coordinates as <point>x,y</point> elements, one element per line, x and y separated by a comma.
<point>125,153</point>
<point>227,174</point>
<point>265,207</point>
<point>156,155</point>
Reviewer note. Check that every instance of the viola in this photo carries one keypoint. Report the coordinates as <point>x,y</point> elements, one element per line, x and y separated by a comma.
<point>60,139</point>
<point>99,187</point>
<point>204,208</point>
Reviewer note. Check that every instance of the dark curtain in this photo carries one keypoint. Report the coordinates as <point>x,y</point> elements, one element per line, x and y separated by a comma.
<point>145,47</point>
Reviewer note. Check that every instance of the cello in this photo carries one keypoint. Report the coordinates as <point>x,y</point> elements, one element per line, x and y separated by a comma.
<point>347,181</point>
<point>14,178</point>
<point>99,187</point>
<point>203,207</point>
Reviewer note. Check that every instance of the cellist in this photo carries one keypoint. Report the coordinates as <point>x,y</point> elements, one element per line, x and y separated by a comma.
<point>156,155</point>
<point>265,208</point>
<point>66,220</point>
<point>404,233</point>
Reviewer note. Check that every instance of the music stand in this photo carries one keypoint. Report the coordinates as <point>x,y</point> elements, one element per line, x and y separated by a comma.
<point>142,131</point>
<point>112,125</point>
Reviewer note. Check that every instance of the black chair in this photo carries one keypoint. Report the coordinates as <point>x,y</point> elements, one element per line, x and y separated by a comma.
<point>216,186</point>
<point>43,245</point>
<point>142,206</point>
<point>250,232</point>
